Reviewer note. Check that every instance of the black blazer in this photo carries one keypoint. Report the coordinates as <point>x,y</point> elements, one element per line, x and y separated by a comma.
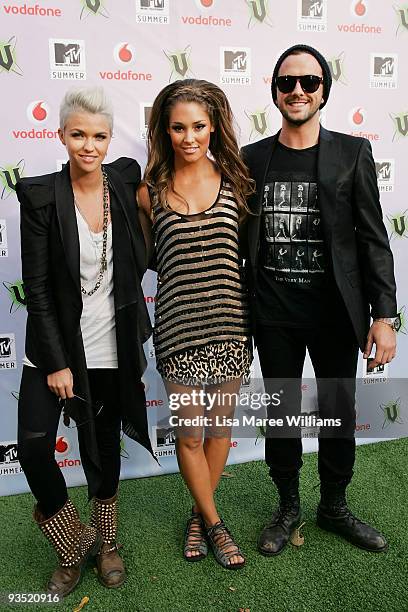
<point>353,229</point>
<point>51,276</point>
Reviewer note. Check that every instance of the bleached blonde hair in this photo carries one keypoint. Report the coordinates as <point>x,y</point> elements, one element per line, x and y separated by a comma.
<point>89,99</point>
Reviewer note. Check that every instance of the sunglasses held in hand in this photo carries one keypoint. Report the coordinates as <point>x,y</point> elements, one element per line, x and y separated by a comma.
<point>308,82</point>
<point>65,405</point>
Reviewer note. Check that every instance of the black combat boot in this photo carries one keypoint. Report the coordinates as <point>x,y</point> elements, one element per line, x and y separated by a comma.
<point>334,515</point>
<point>276,533</point>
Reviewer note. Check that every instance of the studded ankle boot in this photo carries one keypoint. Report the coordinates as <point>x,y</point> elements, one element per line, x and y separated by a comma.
<point>73,542</point>
<point>275,535</point>
<point>104,517</point>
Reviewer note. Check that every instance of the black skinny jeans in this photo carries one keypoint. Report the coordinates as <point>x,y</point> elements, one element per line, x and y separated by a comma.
<point>333,352</point>
<point>38,417</point>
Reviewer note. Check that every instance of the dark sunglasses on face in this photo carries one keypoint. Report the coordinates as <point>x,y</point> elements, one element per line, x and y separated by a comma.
<point>308,82</point>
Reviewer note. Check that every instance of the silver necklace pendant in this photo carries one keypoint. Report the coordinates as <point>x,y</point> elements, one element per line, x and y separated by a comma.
<point>104,262</point>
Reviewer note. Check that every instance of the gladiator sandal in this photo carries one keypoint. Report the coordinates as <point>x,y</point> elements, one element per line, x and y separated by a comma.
<point>74,544</point>
<point>195,538</point>
<point>223,546</point>
<point>104,517</point>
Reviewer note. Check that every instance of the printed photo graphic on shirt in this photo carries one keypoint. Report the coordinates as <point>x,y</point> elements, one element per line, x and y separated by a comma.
<point>312,202</point>
<point>281,196</point>
<point>298,258</point>
<point>281,227</point>
<point>282,258</point>
<point>317,259</point>
<point>300,197</point>
<point>298,227</point>
<point>314,232</point>
<point>269,257</point>
<point>293,247</point>
<point>269,227</point>
<point>267,202</point>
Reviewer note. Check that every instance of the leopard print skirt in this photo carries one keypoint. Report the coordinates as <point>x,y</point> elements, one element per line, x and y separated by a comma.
<point>211,364</point>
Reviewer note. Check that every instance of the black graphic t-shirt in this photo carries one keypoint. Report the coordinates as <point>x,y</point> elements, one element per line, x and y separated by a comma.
<point>295,284</point>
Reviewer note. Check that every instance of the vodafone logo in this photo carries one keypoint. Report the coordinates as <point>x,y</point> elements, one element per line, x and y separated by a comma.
<point>359,8</point>
<point>124,54</point>
<point>62,446</point>
<point>206,19</point>
<point>37,111</point>
<point>205,4</point>
<point>357,116</point>
<point>154,403</point>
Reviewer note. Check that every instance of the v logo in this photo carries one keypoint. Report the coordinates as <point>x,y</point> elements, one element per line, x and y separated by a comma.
<point>335,68</point>
<point>258,8</point>
<point>6,57</point>
<point>93,5</point>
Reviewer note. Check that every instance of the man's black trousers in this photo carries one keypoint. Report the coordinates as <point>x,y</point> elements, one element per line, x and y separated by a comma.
<point>333,352</point>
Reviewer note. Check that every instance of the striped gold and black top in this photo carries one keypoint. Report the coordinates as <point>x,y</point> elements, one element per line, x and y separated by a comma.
<point>200,295</point>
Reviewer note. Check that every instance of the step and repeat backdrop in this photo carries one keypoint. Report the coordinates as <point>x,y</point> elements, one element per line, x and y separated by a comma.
<point>134,48</point>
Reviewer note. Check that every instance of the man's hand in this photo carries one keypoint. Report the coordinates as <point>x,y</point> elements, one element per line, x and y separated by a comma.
<point>384,337</point>
<point>61,383</point>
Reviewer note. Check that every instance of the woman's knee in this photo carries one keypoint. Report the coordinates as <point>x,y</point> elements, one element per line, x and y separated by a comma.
<point>189,444</point>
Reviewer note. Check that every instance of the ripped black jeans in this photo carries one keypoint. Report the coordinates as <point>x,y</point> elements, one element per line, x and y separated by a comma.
<point>38,417</point>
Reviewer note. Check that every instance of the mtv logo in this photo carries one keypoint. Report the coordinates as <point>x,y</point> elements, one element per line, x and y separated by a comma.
<point>67,55</point>
<point>235,60</point>
<point>379,369</point>
<point>3,234</point>
<point>150,4</point>
<point>8,453</point>
<point>165,437</point>
<point>246,381</point>
<point>384,66</point>
<point>383,170</point>
<point>6,347</point>
<point>312,9</point>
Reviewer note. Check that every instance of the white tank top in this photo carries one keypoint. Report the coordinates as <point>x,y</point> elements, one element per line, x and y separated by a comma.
<point>98,311</point>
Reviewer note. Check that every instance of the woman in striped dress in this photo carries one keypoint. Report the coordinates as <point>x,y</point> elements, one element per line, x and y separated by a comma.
<point>202,337</point>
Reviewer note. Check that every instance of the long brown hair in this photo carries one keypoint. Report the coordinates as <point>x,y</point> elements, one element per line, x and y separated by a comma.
<point>159,172</point>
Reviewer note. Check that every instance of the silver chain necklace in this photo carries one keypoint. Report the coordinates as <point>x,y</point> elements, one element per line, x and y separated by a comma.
<point>104,264</point>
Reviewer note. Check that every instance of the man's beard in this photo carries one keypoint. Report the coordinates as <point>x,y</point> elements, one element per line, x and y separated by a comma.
<point>297,122</point>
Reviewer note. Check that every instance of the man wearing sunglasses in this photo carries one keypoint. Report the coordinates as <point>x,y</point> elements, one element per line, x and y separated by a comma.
<point>323,305</point>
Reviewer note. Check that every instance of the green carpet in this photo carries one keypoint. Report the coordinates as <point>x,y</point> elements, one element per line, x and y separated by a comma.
<point>325,574</point>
